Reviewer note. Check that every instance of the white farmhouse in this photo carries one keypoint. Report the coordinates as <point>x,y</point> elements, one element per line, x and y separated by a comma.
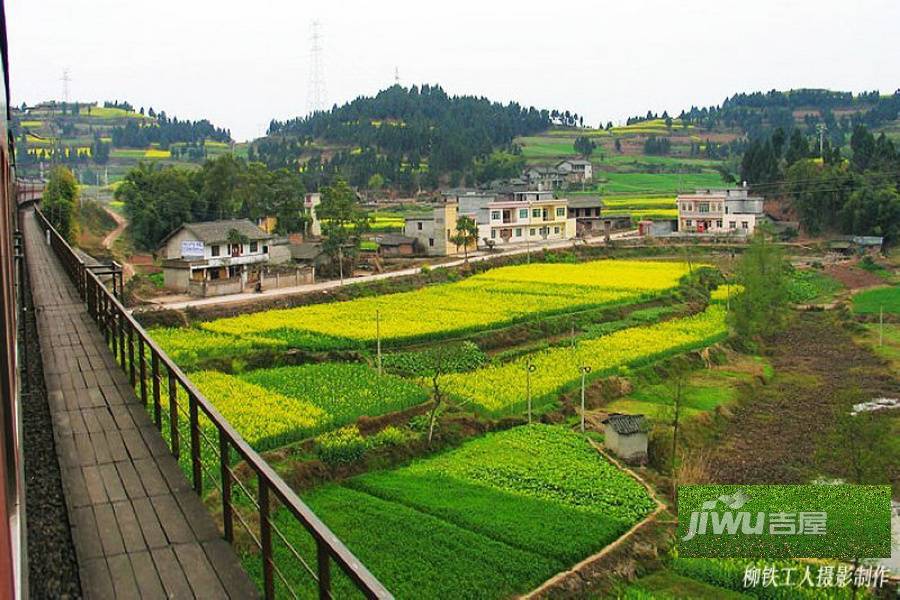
<point>214,257</point>
<point>730,211</point>
<point>526,216</point>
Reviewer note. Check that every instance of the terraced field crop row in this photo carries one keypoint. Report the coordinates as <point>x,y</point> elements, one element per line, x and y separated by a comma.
<point>493,518</point>
<point>501,389</point>
<point>495,298</point>
<point>274,407</point>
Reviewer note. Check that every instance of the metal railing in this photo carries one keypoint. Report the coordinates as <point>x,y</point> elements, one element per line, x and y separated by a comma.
<point>153,375</point>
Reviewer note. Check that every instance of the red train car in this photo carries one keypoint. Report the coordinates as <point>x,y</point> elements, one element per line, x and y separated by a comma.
<point>12,534</point>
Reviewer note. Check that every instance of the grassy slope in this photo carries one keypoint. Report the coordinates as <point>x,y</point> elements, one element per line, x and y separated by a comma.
<point>871,302</point>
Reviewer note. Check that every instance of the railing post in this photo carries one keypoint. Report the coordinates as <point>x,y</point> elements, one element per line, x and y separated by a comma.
<point>112,333</point>
<point>154,373</point>
<point>89,294</point>
<point>324,563</point>
<point>197,467</point>
<point>265,537</point>
<point>132,376</point>
<point>173,415</point>
<point>224,462</point>
<point>142,358</point>
<point>157,408</point>
<point>120,318</point>
<point>104,302</point>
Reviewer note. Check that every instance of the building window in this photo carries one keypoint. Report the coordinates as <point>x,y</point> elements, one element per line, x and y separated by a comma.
<point>719,223</point>
<point>556,229</point>
<point>495,215</point>
<point>518,232</point>
<point>703,207</point>
<point>536,212</point>
<point>419,225</point>
<point>560,211</point>
<point>254,246</point>
<point>430,242</point>
<point>531,231</point>
<point>732,225</point>
<point>493,234</point>
<point>214,250</point>
<point>744,225</point>
<point>448,235</point>
<point>213,273</point>
<point>523,213</point>
<point>689,222</point>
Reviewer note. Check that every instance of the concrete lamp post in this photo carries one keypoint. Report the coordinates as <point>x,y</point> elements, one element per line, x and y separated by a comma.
<point>585,369</point>
<point>529,369</point>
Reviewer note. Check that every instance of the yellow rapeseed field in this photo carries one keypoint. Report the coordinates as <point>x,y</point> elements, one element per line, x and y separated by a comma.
<point>496,297</point>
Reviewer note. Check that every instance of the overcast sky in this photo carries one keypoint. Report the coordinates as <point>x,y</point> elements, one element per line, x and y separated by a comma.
<point>242,63</point>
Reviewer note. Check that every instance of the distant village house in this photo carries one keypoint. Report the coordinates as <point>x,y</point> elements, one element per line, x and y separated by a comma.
<point>214,257</point>
<point>730,211</point>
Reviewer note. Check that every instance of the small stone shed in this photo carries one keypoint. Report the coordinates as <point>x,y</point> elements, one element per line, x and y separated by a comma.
<point>626,436</point>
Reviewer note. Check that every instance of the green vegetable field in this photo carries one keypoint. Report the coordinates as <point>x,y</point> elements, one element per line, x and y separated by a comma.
<point>486,520</point>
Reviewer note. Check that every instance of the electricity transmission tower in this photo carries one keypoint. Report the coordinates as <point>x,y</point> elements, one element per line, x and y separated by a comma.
<point>315,100</point>
<point>66,80</point>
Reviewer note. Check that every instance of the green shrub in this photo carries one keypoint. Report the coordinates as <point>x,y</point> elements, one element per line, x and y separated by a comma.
<point>390,436</point>
<point>455,359</point>
<point>805,286</point>
<point>345,445</point>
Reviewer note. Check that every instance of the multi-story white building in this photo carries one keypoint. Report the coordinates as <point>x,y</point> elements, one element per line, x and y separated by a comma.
<point>727,211</point>
<point>314,226</point>
<point>526,216</point>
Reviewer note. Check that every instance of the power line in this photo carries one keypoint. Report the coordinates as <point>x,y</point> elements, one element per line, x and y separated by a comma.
<point>315,100</point>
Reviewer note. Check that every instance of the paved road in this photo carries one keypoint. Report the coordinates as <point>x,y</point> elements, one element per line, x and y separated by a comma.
<point>179,303</point>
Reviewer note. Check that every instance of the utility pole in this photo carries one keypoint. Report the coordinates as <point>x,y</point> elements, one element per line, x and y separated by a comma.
<point>821,128</point>
<point>378,338</point>
<point>396,75</point>
<point>529,369</point>
<point>341,262</point>
<point>585,369</point>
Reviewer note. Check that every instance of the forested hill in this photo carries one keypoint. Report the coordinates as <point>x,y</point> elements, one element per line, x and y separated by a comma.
<point>101,141</point>
<point>758,114</point>
<point>405,131</point>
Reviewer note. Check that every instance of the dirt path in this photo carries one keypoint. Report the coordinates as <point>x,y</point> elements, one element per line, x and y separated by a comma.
<point>113,235</point>
<point>779,435</point>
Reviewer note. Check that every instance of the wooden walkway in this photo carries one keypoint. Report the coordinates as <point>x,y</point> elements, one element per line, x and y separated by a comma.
<point>139,530</point>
